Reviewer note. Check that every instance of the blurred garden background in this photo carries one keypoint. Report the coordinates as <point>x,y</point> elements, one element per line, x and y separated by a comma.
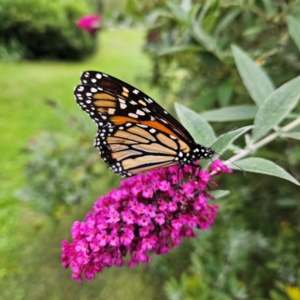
<point>175,51</point>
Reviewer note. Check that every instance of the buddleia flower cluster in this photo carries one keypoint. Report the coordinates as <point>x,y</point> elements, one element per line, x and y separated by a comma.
<point>149,213</point>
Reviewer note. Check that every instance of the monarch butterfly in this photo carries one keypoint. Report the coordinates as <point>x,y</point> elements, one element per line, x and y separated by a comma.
<point>135,134</point>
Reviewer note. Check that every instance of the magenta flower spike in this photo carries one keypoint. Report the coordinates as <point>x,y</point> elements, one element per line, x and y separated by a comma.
<point>150,213</point>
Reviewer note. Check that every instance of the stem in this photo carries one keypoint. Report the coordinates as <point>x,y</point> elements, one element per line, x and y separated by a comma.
<point>264,141</point>
<point>261,143</point>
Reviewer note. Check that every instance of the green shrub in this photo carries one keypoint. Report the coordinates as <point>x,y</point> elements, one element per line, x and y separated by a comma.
<point>61,168</point>
<point>44,29</point>
<point>252,251</point>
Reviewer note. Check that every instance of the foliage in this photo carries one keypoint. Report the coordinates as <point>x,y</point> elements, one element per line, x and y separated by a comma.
<point>252,253</point>
<point>60,170</point>
<point>43,29</point>
<point>187,41</point>
<point>239,262</point>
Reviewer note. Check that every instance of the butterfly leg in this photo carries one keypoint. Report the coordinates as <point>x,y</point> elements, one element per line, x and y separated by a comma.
<point>197,166</point>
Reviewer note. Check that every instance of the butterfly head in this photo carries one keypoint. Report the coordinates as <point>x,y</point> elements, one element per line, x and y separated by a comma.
<point>200,151</point>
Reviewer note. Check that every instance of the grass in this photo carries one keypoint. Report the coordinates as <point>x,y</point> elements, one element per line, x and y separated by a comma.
<point>25,87</point>
<point>29,242</point>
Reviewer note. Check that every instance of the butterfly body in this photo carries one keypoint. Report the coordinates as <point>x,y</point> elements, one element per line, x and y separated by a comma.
<point>135,134</point>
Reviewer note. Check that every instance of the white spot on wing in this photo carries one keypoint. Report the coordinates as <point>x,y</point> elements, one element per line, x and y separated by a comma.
<point>142,125</point>
<point>139,112</point>
<point>133,115</point>
<point>146,109</point>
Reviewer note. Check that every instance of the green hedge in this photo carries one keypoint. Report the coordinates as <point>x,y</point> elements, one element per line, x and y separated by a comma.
<point>35,29</point>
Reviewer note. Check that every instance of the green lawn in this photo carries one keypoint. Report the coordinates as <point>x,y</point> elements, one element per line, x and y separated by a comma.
<point>25,86</point>
<point>29,245</point>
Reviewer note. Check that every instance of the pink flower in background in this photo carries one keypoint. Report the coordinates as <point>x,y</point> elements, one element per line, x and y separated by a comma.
<point>90,23</point>
<point>149,214</point>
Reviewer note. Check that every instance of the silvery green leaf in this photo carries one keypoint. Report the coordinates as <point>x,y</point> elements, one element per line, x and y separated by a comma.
<point>226,139</point>
<point>294,29</point>
<point>219,193</point>
<point>201,131</point>
<point>292,135</point>
<point>256,81</point>
<point>276,107</point>
<point>230,113</point>
<point>263,166</point>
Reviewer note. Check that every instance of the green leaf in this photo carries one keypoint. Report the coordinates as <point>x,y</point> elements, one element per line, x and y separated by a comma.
<point>199,34</point>
<point>204,100</point>
<point>263,166</point>
<point>201,131</point>
<point>276,107</point>
<point>230,113</point>
<point>256,81</point>
<point>224,92</point>
<point>226,139</point>
<point>294,29</point>
<point>226,21</point>
<point>177,12</point>
<point>270,8</point>
<point>156,14</point>
<point>180,48</point>
<point>292,135</point>
<point>219,193</point>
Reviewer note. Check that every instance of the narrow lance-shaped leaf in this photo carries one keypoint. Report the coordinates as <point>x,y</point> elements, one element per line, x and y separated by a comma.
<point>226,139</point>
<point>201,131</point>
<point>223,141</point>
<point>219,193</point>
<point>178,12</point>
<point>294,30</point>
<point>198,33</point>
<point>180,48</point>
<point>257,83</point>
<point>226,21</point>
<point>263,166</point>
<point>276,107</point>
<point>292,135</point>
<point>224,92</point>
<point>230,113</point>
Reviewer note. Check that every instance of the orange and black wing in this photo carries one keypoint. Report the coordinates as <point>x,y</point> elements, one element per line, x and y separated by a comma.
<point>135,134</point>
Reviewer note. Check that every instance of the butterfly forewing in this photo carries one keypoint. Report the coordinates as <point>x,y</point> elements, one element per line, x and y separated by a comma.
<point>135,134</point>
<point>142,101</point>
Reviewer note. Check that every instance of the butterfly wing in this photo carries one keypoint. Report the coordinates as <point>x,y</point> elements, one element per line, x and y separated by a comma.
<point>135,134</point>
